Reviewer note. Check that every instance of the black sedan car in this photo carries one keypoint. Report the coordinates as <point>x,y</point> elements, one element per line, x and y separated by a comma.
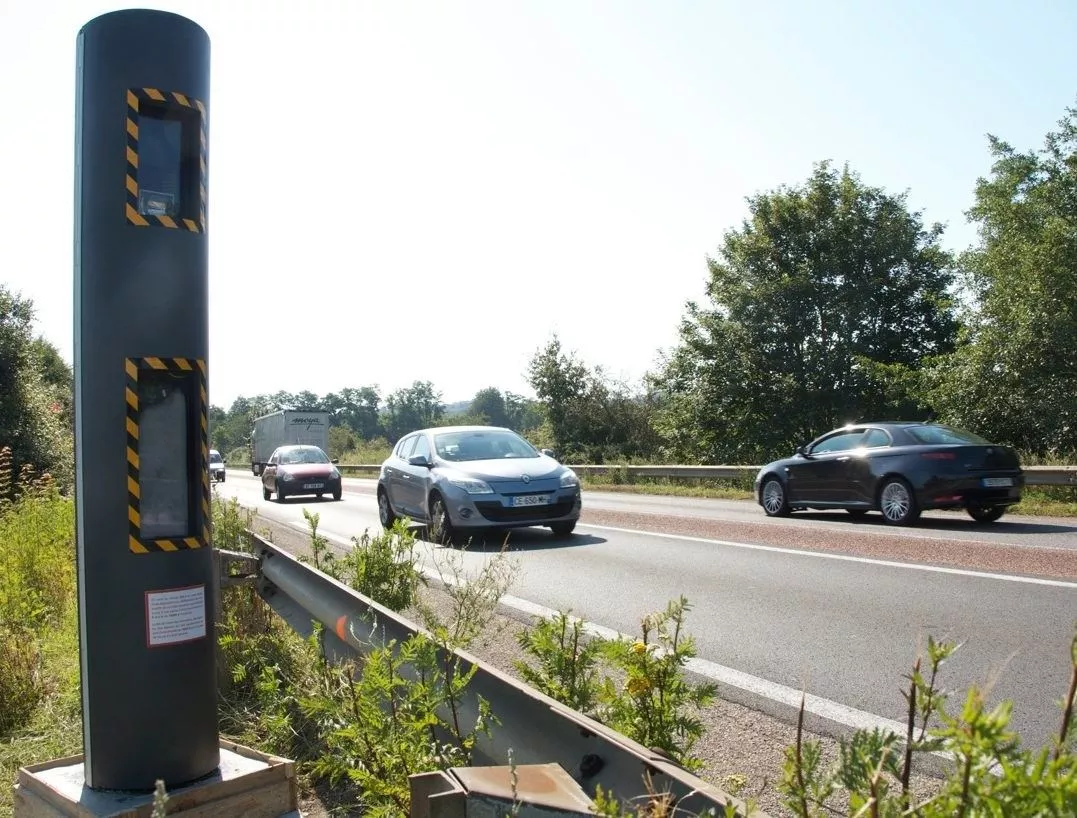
<point>899,469</point>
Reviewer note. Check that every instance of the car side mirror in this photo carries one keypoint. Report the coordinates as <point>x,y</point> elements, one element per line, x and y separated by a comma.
<point>420,460</point>
<point>800,450</point>
<point>550,453</point>
<point>335,460</point>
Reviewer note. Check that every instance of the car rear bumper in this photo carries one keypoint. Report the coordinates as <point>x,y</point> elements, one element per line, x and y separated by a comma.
<point>964,491</point>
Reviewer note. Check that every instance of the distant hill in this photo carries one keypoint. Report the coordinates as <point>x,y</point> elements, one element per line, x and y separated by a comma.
<point>457,408</point>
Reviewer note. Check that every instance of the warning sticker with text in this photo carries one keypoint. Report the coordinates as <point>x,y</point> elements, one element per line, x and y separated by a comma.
<point>176,615</point>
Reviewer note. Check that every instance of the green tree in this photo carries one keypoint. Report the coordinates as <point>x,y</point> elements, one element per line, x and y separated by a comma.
<point>414,407</point>
<point>523,414</point>
<point>592,416</point>
<point>356,408</point>
<point>559,379</point>
<point>1014,376</point>
<point>35,394</point>
<point>341,440</point>
<point>822,284</point>
<point>489,403</point>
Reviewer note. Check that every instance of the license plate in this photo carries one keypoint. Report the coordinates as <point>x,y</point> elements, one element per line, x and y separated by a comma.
<point>314,485</point>
<point>532,500</point>
<point>997,482</point>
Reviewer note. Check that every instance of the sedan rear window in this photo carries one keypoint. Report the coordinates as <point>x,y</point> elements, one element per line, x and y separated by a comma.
<point>943,435</point>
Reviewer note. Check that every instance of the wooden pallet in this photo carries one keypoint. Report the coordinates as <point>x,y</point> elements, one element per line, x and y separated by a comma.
<point>250,783</point>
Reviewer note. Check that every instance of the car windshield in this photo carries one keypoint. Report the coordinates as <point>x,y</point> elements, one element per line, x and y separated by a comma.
<point>943,434</point>
<point>215,457</point>
<point>482,445</point>
<point>294,457</point>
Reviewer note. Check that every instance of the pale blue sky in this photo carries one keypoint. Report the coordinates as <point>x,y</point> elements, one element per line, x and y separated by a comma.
<point>440,186</point>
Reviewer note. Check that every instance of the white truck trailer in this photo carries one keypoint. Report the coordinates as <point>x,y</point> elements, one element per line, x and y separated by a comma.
<point>284,427</point>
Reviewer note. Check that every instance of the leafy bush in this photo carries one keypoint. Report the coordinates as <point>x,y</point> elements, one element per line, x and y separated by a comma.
<point>365,724</point>
<point>566,662</point>
<point>367,451</point>
<point>647,697</point>
<point>382,724</point>
<point>991,775</point>
<point>37,581</point>
<point>39,649</point>
<point>381,567</point>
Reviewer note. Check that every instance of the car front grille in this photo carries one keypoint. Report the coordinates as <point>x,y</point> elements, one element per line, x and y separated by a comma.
<point>497,513</point>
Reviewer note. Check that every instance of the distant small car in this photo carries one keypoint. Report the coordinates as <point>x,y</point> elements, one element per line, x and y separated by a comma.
<point>216,466</point>
<point>899,469</point>
<point>298,469</point>
<point>461,479</point>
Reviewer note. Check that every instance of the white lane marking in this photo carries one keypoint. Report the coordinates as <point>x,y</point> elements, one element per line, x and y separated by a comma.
<point>800,552</point>
<point>811,523</point>
<point>816,705</point>
<point>910,566</point>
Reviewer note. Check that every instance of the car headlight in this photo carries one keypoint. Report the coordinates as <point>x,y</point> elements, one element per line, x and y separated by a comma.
<point>569,479</point>
<point>286,476</point>
<point>334,474</point>
<point>471,486</point>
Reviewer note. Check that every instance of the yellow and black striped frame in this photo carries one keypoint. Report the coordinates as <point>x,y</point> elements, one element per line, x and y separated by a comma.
<point>135,98</point>
<point>181,366</point>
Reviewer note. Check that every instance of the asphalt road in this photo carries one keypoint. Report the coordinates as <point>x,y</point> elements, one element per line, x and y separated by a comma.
<point>845,629</point>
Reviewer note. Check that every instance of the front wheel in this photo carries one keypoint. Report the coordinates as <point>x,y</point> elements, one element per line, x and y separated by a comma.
<point>898,503</point>
<point>386,516</point>
<point>441,530</point>
<point>775,503</point>
<point>563,529</point>
<point>280,493</point>
<point>265,493</point>
<point>985,514</point>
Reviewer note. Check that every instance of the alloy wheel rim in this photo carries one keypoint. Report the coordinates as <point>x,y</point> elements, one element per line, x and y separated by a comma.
<point>439,518</point>
<point>772,496</point>
<point>895,501</point>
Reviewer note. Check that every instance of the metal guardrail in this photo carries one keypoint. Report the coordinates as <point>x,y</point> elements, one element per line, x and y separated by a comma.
<point>1034,475</point>
<point>536,728</point>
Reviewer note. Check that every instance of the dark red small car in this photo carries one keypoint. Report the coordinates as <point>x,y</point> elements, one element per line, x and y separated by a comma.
<point>298,469</point>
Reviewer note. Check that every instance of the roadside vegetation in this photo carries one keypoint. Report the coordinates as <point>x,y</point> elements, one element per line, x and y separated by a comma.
<point>40,704</point>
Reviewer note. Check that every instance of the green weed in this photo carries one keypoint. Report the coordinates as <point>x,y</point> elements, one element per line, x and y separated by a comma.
<point>646,696</point>
<point>991,774</point>
<point>567,662</point>
<point>39,656</point>
<point>381,567</point>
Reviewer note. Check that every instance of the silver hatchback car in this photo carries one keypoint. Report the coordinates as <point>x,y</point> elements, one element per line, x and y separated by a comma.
<point>461,479</point>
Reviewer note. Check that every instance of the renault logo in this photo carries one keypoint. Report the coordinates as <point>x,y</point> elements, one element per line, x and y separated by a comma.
<point>526,478</point>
